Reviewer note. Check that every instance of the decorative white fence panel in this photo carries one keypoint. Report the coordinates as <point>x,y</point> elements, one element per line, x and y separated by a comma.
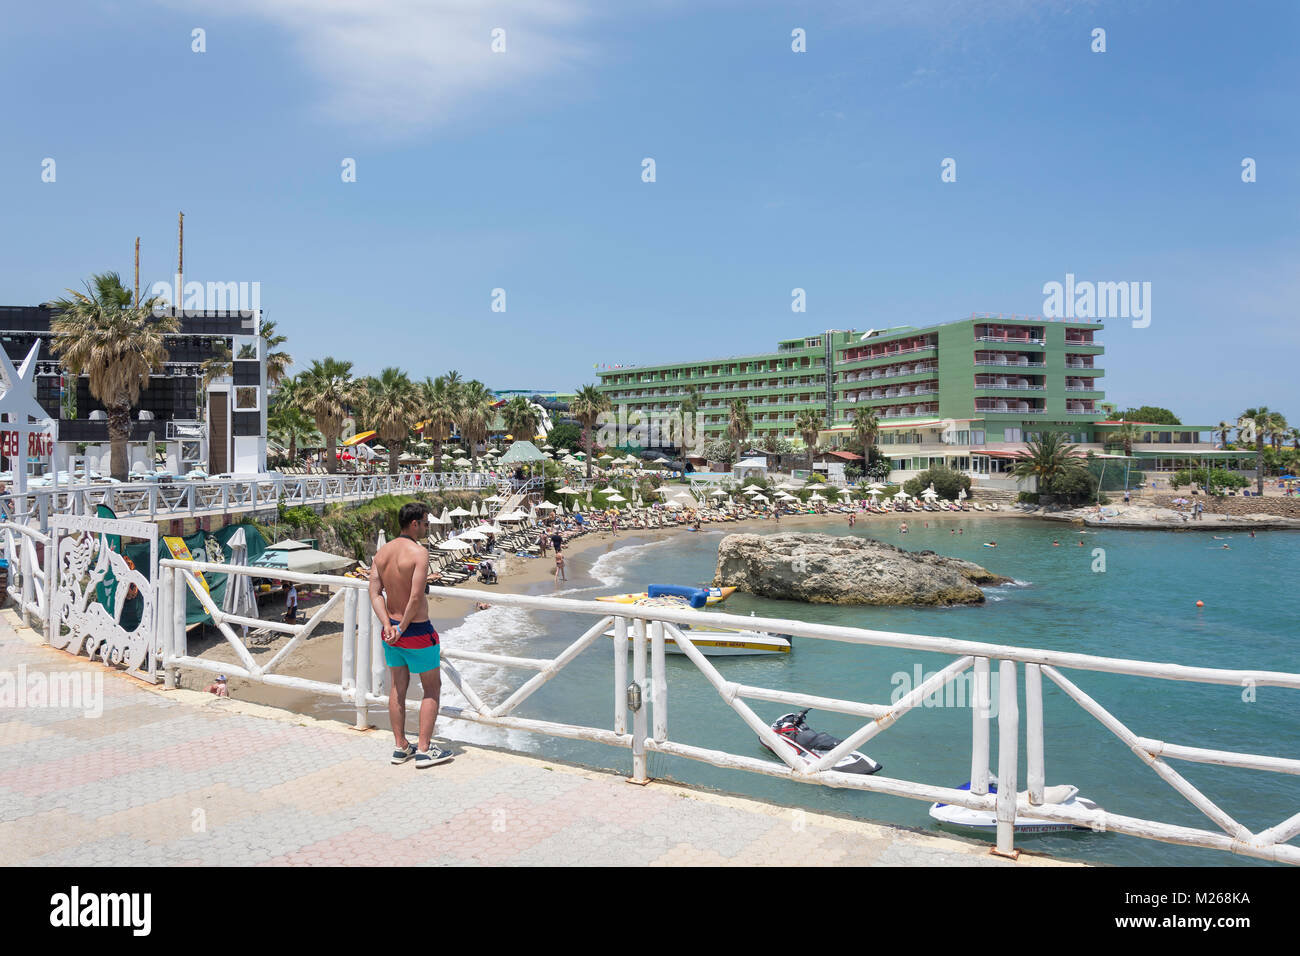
<point>79,560</point>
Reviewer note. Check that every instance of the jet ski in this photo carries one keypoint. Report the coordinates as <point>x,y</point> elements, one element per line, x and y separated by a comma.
<point>811,745</point>
<point>986,821</point>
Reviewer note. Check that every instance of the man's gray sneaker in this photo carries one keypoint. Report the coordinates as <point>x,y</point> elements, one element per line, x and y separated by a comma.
<point>401,756</point>
<point>432,756</point>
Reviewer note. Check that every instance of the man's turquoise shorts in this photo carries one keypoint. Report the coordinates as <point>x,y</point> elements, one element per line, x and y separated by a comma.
<point>417,649</point>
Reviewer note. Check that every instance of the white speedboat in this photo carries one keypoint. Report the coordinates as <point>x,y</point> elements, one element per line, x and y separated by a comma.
<point>716,641</point>
<point>986,821</point>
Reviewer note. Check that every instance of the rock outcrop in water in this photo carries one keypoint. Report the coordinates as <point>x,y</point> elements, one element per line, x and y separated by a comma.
<point>825,569</point>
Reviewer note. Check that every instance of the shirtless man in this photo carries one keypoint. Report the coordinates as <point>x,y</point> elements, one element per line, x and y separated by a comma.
<point>397,581</point>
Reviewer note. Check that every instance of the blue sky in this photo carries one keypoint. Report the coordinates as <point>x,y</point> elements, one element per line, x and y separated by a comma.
<point>522,170</point>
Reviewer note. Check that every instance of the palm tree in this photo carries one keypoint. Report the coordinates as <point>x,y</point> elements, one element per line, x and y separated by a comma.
<point>289,425</point>
<point>521,419</point>
<point>1126,435</point>
<point>474,415</point>
<point>1256,422</point>
<point>392,404</point>
<point>326,391</point>
<point>866,426</point>
<point>1277,429</point>
<point>808,423</point>
<point>1222,431</point>
<point>586,408</point>
<point>739,425</point>
<point>1046,459</point>
<point>100,334</point>
<point>439,398</point>
<point>277,363</point>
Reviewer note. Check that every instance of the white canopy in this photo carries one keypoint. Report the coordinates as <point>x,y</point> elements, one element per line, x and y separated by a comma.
<point>901,495</point>
<point>545,506</point>
<point>930,494</point>
<point>567,491</point>
<point>460,513</point>
<point>455,544</point>
<point>472,536</point>
<point>513,516</point>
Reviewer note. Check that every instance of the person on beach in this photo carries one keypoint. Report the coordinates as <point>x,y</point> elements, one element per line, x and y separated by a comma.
<point>557,541</point>
<point>218,687</point>
<point>543,542</point>
<point>559,569</point>
<point>291,604</point>
<point>397,580</point>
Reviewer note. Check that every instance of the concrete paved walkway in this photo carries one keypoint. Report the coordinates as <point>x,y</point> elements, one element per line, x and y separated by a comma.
<point>169,778</point>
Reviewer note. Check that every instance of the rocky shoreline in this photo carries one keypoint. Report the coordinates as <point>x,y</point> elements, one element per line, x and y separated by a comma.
<point>826,569</point>
<point>1132,517</point>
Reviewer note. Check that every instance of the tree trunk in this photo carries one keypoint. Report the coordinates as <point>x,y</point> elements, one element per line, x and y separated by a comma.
<point>393,455</point>
<point>1259,464</point>
<point>331,462</point>
<point>586,444</point>
<point>437,456</point>
<point>293,448</point>
<point>119,430</point>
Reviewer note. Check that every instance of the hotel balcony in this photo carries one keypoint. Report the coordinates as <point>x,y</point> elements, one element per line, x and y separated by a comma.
<point>1009,406</point>
<point>887,350</point>
<point>889,371</point>
<point>1034,384</point>
<point>1017,359</point>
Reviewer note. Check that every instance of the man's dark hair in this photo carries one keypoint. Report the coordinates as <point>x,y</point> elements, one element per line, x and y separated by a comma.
<point>411,511</point>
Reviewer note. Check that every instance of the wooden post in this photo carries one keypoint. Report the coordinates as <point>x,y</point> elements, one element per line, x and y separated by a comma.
<point>1008,756</point>
<point>1034,732</point>
<point>620,675</point>
<point>659,681</point>
<point>979,747</point>
<point>639,717</point>
<point>165,630</point>
<point>364,617</point>
<point>349,639</point>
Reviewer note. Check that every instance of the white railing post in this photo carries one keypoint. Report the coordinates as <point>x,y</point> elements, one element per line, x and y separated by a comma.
<point>1008,756</point>
<point>364,618</point>
<point>979,747</point>
<point>165,631</point>
<point>378,665</point>
<point>620,675</point>
<point>25,566</point>
<point>43,506</point>
<point>639,716</point>
<point>51,583</point>
<point>1034,732</point>
<point>180,637</point>
<point>659,681</point>
<point>349,639</point>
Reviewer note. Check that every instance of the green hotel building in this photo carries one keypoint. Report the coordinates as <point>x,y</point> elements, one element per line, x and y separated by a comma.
<point>967,394</point>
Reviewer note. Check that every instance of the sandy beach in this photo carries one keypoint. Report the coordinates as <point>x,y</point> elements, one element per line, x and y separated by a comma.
<point>320,657</point>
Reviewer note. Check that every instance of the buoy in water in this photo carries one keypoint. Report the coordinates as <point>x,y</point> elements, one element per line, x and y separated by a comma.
<point>1200,604</point>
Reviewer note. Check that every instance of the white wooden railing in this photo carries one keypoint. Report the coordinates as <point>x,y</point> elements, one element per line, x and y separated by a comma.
<point>187,498</point>
<point>644,729</point>
<point>27,573</point>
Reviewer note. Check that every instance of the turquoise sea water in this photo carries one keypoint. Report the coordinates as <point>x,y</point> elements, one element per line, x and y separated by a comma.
<point>1142,606</point>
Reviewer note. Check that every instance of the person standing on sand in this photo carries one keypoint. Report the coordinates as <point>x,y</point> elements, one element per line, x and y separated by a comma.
<point>291,603</point>
<point>559,569</point>
<point>397,580</point>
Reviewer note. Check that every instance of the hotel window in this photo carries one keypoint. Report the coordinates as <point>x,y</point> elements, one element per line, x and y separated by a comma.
<point>1011,434</point>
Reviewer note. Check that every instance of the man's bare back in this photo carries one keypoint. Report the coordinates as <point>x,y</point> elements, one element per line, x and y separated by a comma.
<point>398,564</point>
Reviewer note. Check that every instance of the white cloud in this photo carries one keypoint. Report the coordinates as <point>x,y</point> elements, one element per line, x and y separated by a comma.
<point>397,67</point>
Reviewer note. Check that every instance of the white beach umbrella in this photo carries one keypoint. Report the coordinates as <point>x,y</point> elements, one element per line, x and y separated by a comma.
<point>568,491</point>
<point>239,599</point>
<point>486,529</point>
<point>560,509</point>
<point>446,518</point>
<point>496,499</point>
<point>546,506</point>
<point>513,516</point>
<point>930,494</point>
<point>472,536</point>
<point>816,497</point>
<point>761,497</point>
<point>381,540</point>
<point>876,486</point>
<point>473,509</point>
<point>752,488</point>
<point>455,544</point>
<point>961,494</point>
<point>873,493</point>
<point>718,493</point>
<point>460,513</point>
<point>901,495</point>
<point>616,497</point>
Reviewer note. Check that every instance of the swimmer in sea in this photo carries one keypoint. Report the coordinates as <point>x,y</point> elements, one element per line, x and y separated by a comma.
<point>1056,544</point>
<point>1226,548</point>
<point>990,544</point>
<point>1081,542</point>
